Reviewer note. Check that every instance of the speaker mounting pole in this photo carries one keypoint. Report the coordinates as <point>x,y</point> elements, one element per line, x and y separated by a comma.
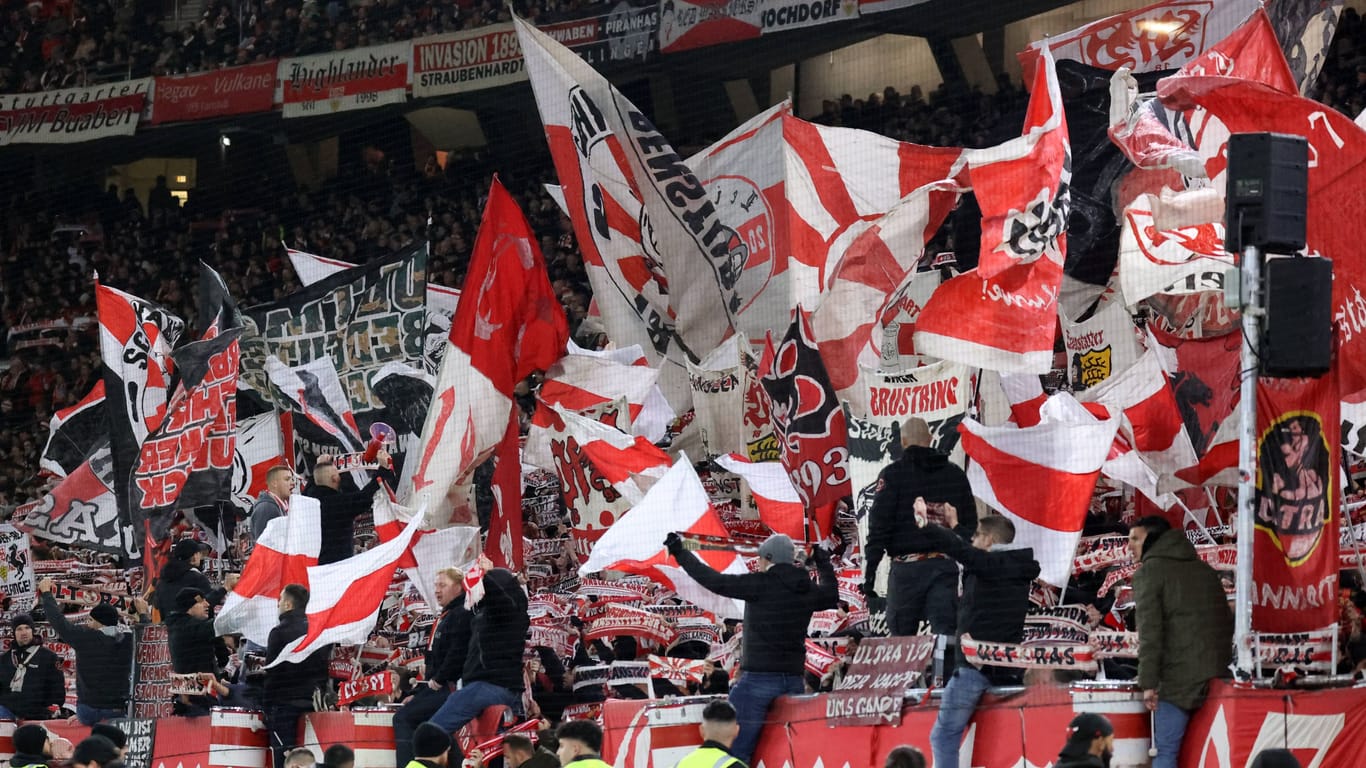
<point>1250,279</point>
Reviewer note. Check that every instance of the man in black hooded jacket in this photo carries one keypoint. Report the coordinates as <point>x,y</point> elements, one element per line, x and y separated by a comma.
<point>104,657</point>
<point>779,600</point>
<point>493,666</point>
<point>338,510</point>
<point>289,687</point>
<point>923,584</point>
<point>182,572</point>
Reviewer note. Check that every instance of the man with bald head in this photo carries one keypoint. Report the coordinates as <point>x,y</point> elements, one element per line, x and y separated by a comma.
<point>339,509</point>
<point>923,583</point>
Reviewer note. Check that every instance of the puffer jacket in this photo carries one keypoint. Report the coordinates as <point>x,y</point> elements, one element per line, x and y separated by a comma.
<point>1185,627</point>
<point>892,527</point>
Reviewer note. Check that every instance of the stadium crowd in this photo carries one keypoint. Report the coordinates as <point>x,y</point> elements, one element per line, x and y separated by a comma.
<point>51,247</point>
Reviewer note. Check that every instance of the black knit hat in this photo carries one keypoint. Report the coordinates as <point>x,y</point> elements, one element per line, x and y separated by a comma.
<point>186,598</point>
<point>430,741</point>
<point>29,739</point>
<point>22,619</point>
<point>105,614</point>
<point>95,749</point>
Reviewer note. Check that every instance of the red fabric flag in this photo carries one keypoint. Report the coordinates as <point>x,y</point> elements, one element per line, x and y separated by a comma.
<point>504,543</point>
<point>1295,549</point>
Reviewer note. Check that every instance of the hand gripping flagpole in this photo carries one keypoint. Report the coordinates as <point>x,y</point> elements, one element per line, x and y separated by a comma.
<point>1250,300</point>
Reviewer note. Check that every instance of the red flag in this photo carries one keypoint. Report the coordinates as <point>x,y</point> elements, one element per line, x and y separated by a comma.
<point>1337,150</point>
<point>504,543</point>
<point>1002,315</point>
<point>1252,52</point>
<point>507,325</point>
<point>1295,549</point>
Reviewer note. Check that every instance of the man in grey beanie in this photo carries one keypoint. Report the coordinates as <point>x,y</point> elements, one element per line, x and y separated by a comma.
<point>779,600</point>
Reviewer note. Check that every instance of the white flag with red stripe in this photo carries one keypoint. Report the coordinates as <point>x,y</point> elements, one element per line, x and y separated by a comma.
<point>345,597</point>
<point>586,378</point>
<point>431,551</point>
<point>1042,477</point>
<point>1152,444</point>
<point>635,543</point>
<point>284,554</point>
<point>779,505</point>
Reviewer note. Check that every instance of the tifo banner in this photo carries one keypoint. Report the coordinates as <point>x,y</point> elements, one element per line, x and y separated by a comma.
<point>360,319</point>
<point>880,672</point>
<point>486,57</point>
<point>345,80</point>
<point>1102,344</point>
<point>1295,563</point>
<point>222,92</point>
<point>628,32</point>
<point>685,25</point>
<point>73,114</point>
<point>81,510</point>
<point>782,15</point>
<point>731,410</point>
<point>16,568</point>
<point>151,671</point>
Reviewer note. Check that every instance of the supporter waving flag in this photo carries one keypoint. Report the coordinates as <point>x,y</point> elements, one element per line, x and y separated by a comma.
<point>507,325</point>
<point>1042,477</point>
<point>75,433</point>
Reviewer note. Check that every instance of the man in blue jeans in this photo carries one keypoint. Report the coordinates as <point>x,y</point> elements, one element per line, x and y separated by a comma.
<point>779,600</point>
<point>996,580</point>
<point>492,675</point>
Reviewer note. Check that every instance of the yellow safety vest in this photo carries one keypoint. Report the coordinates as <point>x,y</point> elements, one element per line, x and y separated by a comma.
<point>710,757</point>
<point>589,762</point>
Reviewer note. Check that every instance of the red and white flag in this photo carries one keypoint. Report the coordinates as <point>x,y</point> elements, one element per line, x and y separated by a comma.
<point>1151,259</point>
<point>635,544</point>
<point>1002,315</point>
<point>875,267</point>
<point>504,543</point>
<point>585,378</point>
<point>780,507</point>
<point>678,671</point>
<point>603,473</point>
<point>75,433</point>
<point>283,555</point>
<point>260,445</point>
<point>431,551</point>
<point>1152,444</point>
<point>1164,35</point>
<point>345,597</point>
<point>1250,52</point>
<point>1042,477</point>
<point>507,326</point>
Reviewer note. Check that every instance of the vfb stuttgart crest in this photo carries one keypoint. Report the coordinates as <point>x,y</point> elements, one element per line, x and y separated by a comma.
<point>1294,482</point>
<point>1091,367</point>
<point>740,205</point>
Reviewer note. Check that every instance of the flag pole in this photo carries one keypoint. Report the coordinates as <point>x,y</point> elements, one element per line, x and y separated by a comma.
<point>1249,299</point>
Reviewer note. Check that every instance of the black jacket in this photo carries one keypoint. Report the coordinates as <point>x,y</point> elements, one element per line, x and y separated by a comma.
<point>338,512</point>
<point>778,607</point>
<point>43,687</point>
<point>498,632</point>
<point>892,528</point>
<point>22,761</point>
<point>1079,761</point>
<point>178,575</point>
<point>450,643</point>
<point>193,644</point>
<point>995,594</point>
<point>291,682</point>
<point>104,659</point>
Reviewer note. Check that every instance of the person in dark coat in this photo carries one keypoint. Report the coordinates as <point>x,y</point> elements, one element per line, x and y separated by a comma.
<point>996,580</point>
<point>1090,742</point>
<point>194,646</point>
<point>447,648</point>
<point>492,675</point>
<point>338,511</point>
<point>1185,630</point>
<point>104,657</point>
<point>31,683</point>
<point>32,747</point>
<point>779,600</point>
<point>182,572</point>
<point>922,584</point>
<point>289,687</point>
<point>273,502</point>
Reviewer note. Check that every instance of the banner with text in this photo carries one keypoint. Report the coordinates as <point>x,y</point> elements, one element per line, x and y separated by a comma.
<point>782,15</point>
<point>486,57</point>
<point>222,92</point>
<point>73,114</point>
<point>628,32</point>
<point>685,25</point>
<point>345,80</point>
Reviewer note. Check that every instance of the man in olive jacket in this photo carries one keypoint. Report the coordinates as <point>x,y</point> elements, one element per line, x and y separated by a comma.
<point>1185,630</point>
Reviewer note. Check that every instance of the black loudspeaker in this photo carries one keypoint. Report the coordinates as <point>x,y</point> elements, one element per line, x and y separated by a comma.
<point>1297,330</point>
<point>1267,192</point>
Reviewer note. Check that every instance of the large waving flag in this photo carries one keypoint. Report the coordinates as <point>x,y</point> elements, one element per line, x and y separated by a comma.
<point>315,391</point>
<point>1002,315</point>
<point>1151,258</point>
<point>431,550</point>
<point>1250,52</point>
<point>810,423</point>
<point>635,544</point>
<point>1042,477</point>
<point>779,505</point>
<point>261,444</point>
<point>345,597</point>
<point>1337,155</point>
<point>874,269</point>
<point>75,432</point>
<point>283,555</point>
<point>508,325</point>
<point>583,379</point>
